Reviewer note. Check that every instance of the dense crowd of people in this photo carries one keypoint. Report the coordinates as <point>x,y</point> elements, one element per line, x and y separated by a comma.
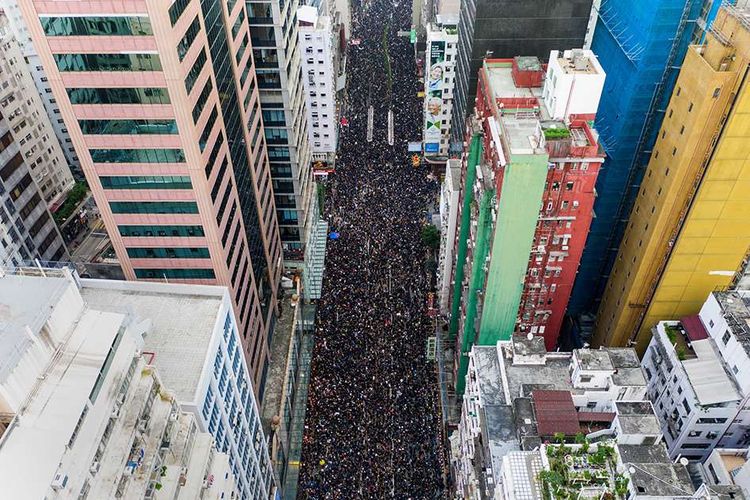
<point>372,424</point>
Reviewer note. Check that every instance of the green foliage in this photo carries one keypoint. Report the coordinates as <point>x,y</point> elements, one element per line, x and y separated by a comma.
<point>556,133</point>
<point>621,485</point>
<point>321,188</point>
<point>671,334</point>
<point>430,236</point>
<point>75,196</point>
<point>580,438</point>
<point>559,437</point>
<point>681,353</point>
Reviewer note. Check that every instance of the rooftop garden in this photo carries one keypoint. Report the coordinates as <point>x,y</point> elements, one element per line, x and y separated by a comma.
<point>677,339</point>
<point>555,133</point>
<point>582,471</point>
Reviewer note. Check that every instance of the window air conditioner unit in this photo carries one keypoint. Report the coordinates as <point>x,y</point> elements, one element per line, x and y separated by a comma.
<point>94,468</point>
<point>60,481</point>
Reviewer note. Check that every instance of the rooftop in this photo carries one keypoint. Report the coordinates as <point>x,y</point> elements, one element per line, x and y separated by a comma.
<point>637,417</point>
<point>181,324</point>
<point>578,63</point>
<point>593,359</point>
<point>652,473</point>
<point>736,307</point>
<point>488,376</point>
<point>24,301</point>
<point>524,468</point>
<point>555,412</point>
<point>31,448</point>
<point>707,376</point>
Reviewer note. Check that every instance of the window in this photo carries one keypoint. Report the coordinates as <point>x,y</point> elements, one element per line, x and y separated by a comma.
<point>96,26</point>
<point>725,337</point>
<point>146,182</point>
<point>195,71</point>
<point>168,253</point>
<point>201,101</point>
<point>187,40</point>
<point>108,62</point>
<point>569,186</point>
<point>153,207</point>
<point>709,420</point>
<point>137,155</point>
<point>696,446</point>
<point>128,127</point>
<point>686,406</point>
<point>148,95</point>
<point>161,274</point>
<point>176,10</point>
<point>176,231</point>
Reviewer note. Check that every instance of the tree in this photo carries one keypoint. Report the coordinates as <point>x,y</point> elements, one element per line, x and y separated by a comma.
<point>430,236</point>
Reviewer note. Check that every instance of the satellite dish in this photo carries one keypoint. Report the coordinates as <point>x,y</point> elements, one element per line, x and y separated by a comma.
<point>530,336</point>
<point>631,469</point>
<point>684,461</point>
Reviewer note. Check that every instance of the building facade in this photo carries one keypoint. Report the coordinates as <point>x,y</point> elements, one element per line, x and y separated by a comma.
<point>641,46</point>
<point>170,139</point>
<point>688,234</point>
<point>101,403</point>
<point>449,193</point>
<point>31,129</point>
<point>319,82</point>
<point>18,26</point>
<point>440,70</point>
<point>277,61</point>
<point>527,194</point>
<point>505,29</point>
<point>27,230</point>
<point>698,377</point>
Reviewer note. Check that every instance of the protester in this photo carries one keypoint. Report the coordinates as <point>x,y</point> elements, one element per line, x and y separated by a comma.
<point>372,426</point>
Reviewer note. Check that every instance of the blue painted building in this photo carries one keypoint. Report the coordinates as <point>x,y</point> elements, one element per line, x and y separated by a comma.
<point>640,45</point>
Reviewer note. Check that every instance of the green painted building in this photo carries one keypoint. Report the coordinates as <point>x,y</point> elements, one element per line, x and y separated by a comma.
<point>499,213</point>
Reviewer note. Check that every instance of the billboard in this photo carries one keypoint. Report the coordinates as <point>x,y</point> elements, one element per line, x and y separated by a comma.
<point>433,106</point>
<point>415,147</point>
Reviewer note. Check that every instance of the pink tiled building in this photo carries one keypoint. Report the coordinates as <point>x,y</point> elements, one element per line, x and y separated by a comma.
<point>161,103</point>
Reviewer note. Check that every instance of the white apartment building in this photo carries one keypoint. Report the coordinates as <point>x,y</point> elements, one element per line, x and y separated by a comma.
<point>27,230</point>
<point>440,78</point>
<point>698,372</point>
<point>318,77</point>
<point>449,192</point>
<point>273,28</point>
<point>21,33</point>
<point>145,393</point>
<point>23,108</point>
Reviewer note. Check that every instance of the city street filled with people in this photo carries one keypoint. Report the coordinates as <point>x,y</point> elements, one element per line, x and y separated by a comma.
<point>372,422</point>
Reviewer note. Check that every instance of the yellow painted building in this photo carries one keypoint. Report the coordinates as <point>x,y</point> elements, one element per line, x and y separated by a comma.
<point>689,231</point>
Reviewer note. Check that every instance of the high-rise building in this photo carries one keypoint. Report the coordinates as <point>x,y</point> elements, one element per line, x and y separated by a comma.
<point>527,189</point>
<point>29,125</point>
<point>277,60</point>
<point>440,71</point>
<point>641,46</point>
<point>106,396</point>
<point>505,29</point>
<point>27,230</point>
<point>688,232</point>
<point>160,100</point>
<point>319,82</point>
<point>18,26</point>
